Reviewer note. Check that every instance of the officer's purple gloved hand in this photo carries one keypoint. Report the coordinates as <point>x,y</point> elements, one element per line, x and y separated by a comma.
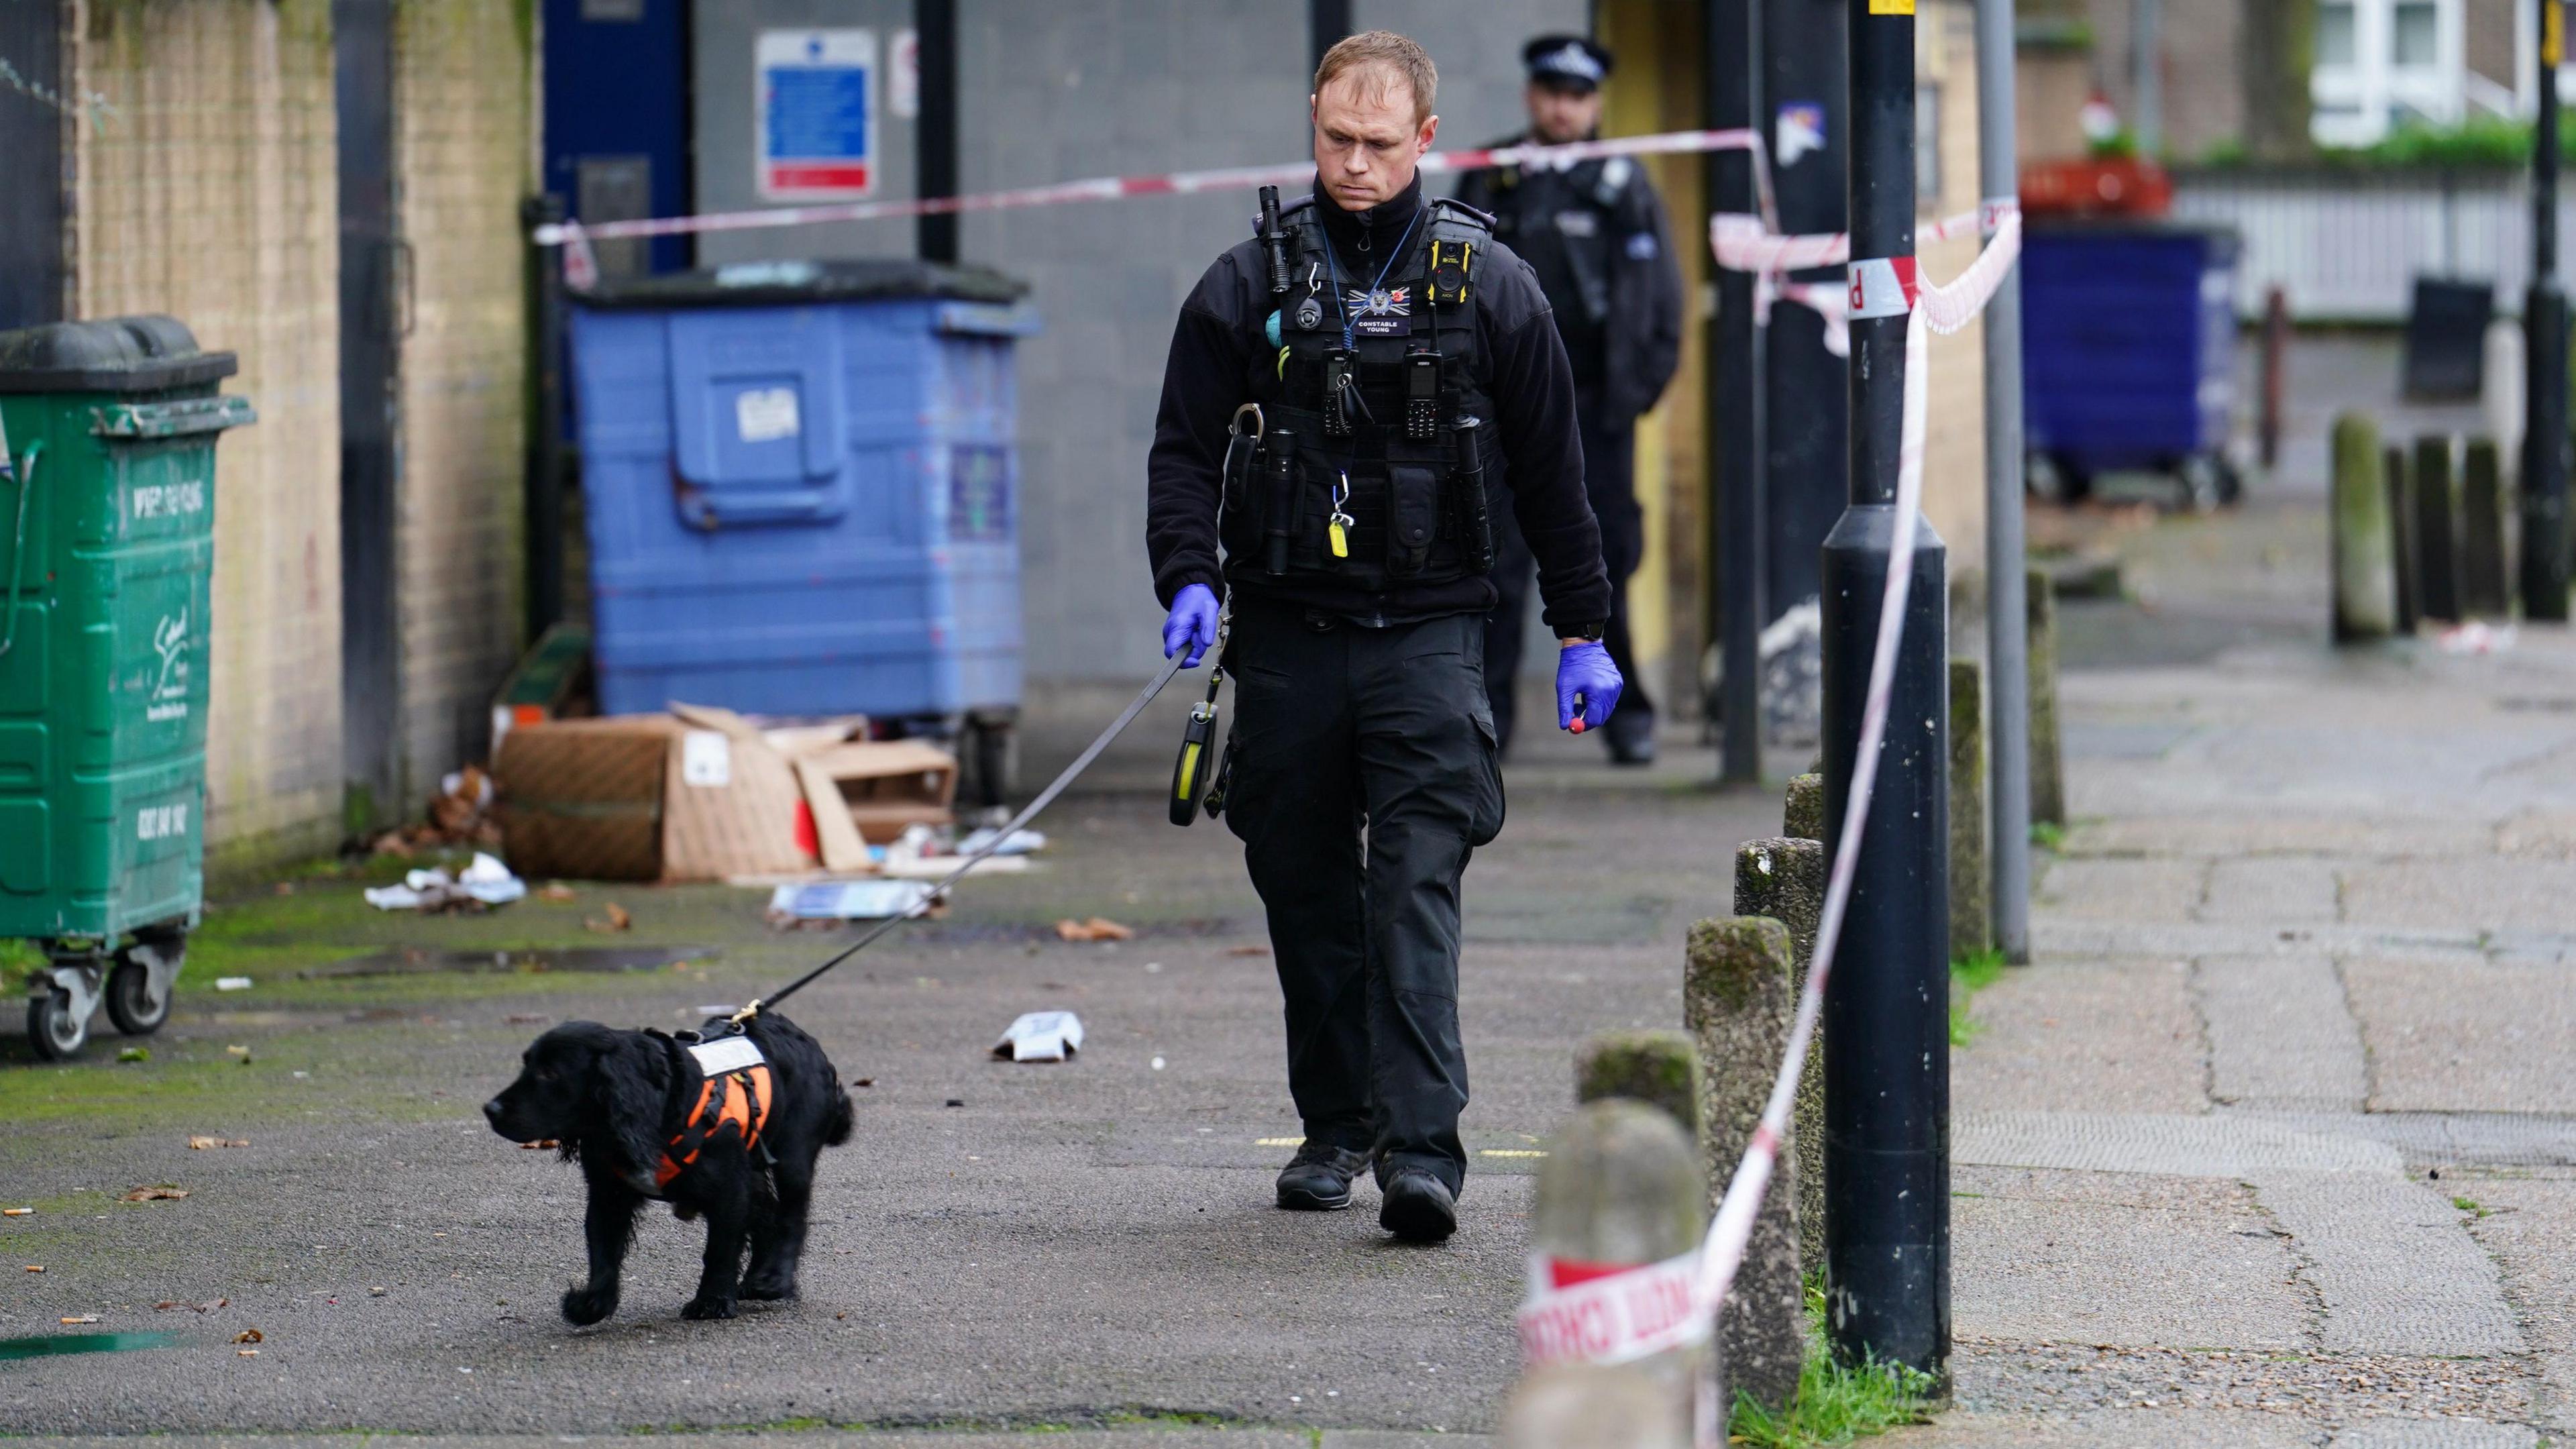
<point>1586,670</point>
<point>1192,625</point>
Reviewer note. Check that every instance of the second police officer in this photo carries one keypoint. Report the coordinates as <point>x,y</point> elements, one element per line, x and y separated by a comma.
<point>1594,232</point>
<point>1350,403</point>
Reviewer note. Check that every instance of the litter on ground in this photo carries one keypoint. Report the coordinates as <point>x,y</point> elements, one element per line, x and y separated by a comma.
<point>486,882</point>
<point>1098,928</point>
<point>848,900</point>
<point>1041,1036</point>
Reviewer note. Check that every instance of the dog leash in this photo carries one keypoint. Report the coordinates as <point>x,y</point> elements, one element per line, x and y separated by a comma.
<point>1001,837</point>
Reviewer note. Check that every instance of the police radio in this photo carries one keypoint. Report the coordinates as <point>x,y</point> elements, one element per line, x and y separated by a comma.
<point>1274,241</point>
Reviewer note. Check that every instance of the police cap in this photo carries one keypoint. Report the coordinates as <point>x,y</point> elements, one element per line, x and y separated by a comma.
<point>1566,60</point>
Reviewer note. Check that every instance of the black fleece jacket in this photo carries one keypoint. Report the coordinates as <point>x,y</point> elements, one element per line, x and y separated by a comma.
<point>1522,365</point>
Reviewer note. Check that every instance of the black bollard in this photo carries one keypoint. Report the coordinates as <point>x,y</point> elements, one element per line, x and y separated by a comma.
<point>2544,358</point>
<point>2484,587</point>
<point>2437,537</point>
<point>1887,1046</point>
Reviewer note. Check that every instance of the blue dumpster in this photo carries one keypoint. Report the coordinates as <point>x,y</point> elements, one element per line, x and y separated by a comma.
<point>2129,354</point>
<point>801,486</point>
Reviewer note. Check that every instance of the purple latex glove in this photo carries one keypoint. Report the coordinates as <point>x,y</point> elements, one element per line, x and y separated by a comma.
<point>1585,670</point>
<point>1192,624</point>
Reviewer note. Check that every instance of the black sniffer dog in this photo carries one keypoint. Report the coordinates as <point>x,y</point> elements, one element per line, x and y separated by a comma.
<point>728,1126</point>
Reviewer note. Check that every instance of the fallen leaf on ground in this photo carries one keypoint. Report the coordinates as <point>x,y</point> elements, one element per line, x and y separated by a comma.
<point>285,887</point>
<point>1247,950</point>
<point>163,1193</point>
<point>250,1335</point>
<point>618,920</point>
<point>1098,928</point>
<point>246,1353</point>
<point>556,891</point>
<point>200,1144</point>
<point>393,844</point>
<point>527,1018</point>
<point>79,1318</point>
<point>16,1212</point>
<point>864,1082</point>
<point>542,1144</point>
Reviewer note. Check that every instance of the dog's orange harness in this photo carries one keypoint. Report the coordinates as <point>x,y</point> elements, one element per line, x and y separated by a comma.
<point>734,1097</point>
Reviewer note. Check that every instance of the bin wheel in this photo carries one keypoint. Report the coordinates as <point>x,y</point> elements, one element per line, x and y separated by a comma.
<point>56,1030</point>
<point>131,1003</point>
<point>2203,488</point>
<point>2049,480</point>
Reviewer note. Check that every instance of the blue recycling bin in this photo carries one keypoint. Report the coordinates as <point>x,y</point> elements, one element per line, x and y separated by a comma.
<point>2129,351</point>
<point>801,486</point>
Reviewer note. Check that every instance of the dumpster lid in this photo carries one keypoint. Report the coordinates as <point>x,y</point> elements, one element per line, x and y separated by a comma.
<point>111,354</point>
<point>806,282</point>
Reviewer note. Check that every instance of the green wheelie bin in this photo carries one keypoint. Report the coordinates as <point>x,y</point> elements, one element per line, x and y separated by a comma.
<point>107,550</point>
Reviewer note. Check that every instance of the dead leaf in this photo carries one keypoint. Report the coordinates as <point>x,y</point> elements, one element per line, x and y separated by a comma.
<point>285,887</point>
<point>542,1144</point>
<point>864,1082</point>
<point>392,843</point>
<point>1247,950</point>
<point>1098,928</point>
<point>527,1018</point>
<point>79,1318</point>
<point>163,1193</point>
<point>618,920</point>
<point>246,1353</point>
<point>200,1144</point>
<point>250,1335</point>
<point>556,891</point>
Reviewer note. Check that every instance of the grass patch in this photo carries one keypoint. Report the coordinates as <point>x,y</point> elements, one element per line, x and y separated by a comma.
<point>2047,834</point>
<point>1836,1403</point>
<point>2471,1206</point>
<point>1968,976</point>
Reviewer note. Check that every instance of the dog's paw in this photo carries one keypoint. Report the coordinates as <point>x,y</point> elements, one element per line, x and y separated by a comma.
<point>704,1306</point>
<point>585,1306</point>
<point>769,1286</point>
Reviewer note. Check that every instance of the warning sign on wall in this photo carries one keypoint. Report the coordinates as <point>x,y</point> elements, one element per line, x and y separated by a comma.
<point>816,137</point>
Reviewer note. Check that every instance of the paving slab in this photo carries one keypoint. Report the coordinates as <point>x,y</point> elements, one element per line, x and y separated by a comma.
<point>2280,1034</point>
<point>2393,1263</point>
<point>2120,889</point>
<point>2435,1434</point>
<point>2180,1264</point>
<point>2139,1428</point>
<point>2477,1036</point>
<point>2108,1035</point>
<point>2271,833</point>
<point>2226,1146</point>
<point>2271,891</point>
<point>2527,1224</point>
<point>2493,893</point>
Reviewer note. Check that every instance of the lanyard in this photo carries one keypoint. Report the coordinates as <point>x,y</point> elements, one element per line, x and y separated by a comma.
<point>1333,269</point>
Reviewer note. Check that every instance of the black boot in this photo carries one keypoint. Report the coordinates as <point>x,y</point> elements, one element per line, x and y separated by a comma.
<point>1318,1178</point>
<point>1419,1208</point>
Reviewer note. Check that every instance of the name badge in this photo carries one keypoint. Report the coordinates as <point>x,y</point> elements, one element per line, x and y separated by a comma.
<point>1380,326</point>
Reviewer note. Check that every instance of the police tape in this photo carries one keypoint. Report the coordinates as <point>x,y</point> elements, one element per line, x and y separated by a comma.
<point>581,268</point>
<point>1618,1316</point>
<point>1740,241</point>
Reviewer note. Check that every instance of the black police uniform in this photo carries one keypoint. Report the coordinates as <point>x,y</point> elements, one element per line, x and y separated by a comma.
<point>1361,699</point>
<point>1594,234</point>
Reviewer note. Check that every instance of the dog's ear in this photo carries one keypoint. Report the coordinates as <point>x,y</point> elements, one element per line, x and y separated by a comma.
<point>629,1083</point>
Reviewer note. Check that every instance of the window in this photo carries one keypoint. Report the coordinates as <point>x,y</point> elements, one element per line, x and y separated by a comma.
<point>2417,43</point>
<point>2335,34</point>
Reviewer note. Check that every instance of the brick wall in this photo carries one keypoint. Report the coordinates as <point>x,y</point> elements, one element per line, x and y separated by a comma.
<point>462,137</point>
<point>207,192</point>
<point>2203,70</point>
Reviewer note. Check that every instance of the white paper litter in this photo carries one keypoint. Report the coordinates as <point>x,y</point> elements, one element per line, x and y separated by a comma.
<point>1022,842</point>
<point>940,867</point>
<point>486,880</point>
<point>232,983</point>
<point>1041,1036</point>
<point>848,900</point>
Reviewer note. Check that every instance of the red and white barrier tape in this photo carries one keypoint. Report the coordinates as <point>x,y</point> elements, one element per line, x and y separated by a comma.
<point>1741,242</point>
<point>1559,1322</point>
<point>1169,183</point>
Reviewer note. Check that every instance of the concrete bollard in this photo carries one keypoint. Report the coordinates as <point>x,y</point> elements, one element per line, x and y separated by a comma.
<point>1969,928</point>
<point>2047,766</point>
<point>1622,1187</point>
<point>1738,1000</point>
<point>2401,541</point>
<point>1803,816</point>
<point>2437,538</point>
<point>1658,1068</point>
<point>1594,1406</point>
<point>2365,590</point>
<point>2485,585</point>
<point>1785,880</point>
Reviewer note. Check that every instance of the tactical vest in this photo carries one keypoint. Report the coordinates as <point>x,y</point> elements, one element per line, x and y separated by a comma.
<point>734,1094</point>
<point>1374,431</point>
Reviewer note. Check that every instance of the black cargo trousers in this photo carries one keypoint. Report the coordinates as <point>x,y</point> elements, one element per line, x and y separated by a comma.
<point>1364,776</point>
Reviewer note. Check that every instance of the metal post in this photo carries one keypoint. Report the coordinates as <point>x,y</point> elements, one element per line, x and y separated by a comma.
<point>544,502</point>
<point>934,135</point>
<point>1327,21</point>
<point>1802,105</point>
<point>1887,1043</point>
<point>2146,74</point>
<point>2544,320</point>
<point>2007,626</point>
<point>1735,346</point>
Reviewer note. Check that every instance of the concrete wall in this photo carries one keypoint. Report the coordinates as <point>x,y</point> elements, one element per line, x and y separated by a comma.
<point>462,143</point>
<point>207,192</point>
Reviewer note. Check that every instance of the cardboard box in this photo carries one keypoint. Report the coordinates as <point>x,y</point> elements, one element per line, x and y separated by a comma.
<point>697,794</point>
<point>865,793</point>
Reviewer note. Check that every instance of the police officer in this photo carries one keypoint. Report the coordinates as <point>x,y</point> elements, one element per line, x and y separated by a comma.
<point>1335,435</point>
<point>1594,233</point>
